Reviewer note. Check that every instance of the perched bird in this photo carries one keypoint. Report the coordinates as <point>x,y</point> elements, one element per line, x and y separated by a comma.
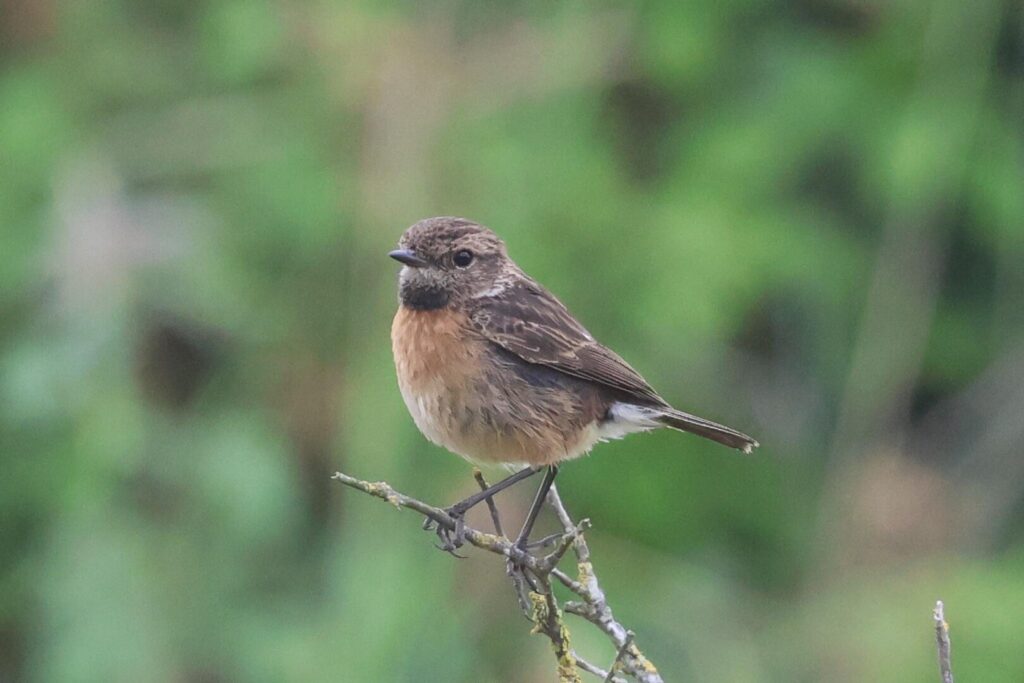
<point>494,368</point>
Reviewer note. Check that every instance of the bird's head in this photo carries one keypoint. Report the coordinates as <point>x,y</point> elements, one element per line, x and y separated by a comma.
<point>448,261</point>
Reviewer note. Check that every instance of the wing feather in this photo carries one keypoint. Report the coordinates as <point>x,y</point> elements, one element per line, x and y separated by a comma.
<point>532,323</point>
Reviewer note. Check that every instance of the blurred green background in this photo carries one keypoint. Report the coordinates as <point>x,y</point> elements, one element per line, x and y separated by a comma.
<point>804,219</point>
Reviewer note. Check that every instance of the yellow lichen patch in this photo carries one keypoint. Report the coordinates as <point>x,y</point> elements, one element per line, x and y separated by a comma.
<point>567,671</point>
<point>539,613</point>
<point>489,539</point>
<point>560,643</point>
<point>379,489</point>
<point>586,573</point>
<point>643,661</point>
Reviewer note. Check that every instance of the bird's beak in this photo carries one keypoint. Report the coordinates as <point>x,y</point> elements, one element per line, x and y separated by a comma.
<point>408,257</point>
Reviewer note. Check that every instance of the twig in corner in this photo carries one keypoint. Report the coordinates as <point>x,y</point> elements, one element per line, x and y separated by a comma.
<point>942,640</point>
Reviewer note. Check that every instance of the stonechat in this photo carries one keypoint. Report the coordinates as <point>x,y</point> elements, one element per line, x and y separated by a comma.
<point>494,368</point>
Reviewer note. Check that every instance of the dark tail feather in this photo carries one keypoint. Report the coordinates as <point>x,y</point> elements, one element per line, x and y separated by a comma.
<point>684,422</point>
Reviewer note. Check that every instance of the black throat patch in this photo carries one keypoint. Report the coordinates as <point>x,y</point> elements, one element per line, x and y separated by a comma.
<point>423,298</point>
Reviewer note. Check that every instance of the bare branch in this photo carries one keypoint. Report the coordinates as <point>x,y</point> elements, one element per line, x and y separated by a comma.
<point>531,579</point>
<point>572,584</point>
<point>483,540</point>
<point>942,640</point>
<point>594,606</point>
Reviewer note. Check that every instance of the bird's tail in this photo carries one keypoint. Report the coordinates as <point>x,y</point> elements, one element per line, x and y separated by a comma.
<point>684,422</point>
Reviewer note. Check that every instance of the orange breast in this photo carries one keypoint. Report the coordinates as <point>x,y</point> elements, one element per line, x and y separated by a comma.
<point>431,348</point>
<point>435,358</point>
<point>461,398</point>
<point>440,360</point>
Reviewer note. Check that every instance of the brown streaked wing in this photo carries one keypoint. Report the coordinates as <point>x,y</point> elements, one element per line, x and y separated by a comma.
<point>530,322</point>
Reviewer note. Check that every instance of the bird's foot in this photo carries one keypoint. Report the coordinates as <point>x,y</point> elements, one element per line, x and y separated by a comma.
<point>517,557</point>
<point>451,539</point>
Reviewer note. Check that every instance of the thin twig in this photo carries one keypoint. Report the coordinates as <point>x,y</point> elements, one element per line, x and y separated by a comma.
<point>594,606</point>
<point>942,640</point>
<point>547,541</point>
<point>531,577</point>
<point>480,539</point>
<point>584,665</point>
<point>619,655</point>
<point>522,584</point>
<point>491,505</point>
<point>570,583</point>
<point>565,542</point>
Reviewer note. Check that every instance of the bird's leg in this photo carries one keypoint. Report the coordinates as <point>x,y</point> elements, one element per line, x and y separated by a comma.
<point>521,579</point>
<point>452,539</point>
<point>538,503</point>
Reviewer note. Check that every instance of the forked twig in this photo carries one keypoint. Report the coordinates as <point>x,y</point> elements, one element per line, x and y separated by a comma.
<point>531,578</point>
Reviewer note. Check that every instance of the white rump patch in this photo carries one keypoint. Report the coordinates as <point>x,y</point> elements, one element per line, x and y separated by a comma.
<point>627,418</point>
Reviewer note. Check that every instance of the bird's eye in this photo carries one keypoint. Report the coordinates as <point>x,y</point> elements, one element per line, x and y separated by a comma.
<point>463,258</point>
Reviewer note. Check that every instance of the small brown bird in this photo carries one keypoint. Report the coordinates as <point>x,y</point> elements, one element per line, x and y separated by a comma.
<point>494,368</point>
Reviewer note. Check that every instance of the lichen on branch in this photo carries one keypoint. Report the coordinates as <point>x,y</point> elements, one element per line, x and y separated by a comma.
<point>531,578</point>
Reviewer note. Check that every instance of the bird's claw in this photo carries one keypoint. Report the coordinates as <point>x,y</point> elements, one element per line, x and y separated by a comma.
<point>450,549</point>
<point>517,558</point>
<point>451,539</point>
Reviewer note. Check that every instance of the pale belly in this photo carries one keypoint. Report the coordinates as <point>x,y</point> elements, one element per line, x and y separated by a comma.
<point>465,398</point>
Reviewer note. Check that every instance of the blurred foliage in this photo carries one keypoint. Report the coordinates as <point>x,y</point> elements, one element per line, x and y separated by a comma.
<point>805,219</point>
